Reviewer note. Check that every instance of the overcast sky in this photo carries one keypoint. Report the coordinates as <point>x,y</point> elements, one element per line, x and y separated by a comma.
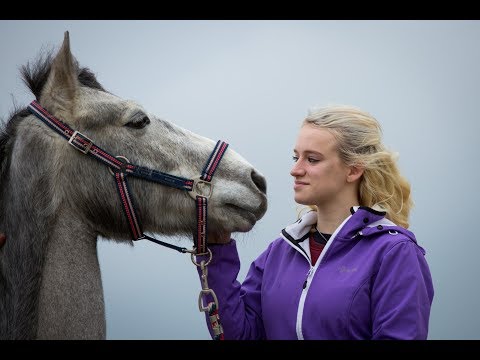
<point>250,83</point>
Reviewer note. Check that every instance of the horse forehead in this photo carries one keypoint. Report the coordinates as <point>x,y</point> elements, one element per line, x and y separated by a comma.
<point>103,105</point>
<point>89,96</point>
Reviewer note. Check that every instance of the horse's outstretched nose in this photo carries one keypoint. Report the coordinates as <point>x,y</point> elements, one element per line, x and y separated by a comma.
<point>259,181</point>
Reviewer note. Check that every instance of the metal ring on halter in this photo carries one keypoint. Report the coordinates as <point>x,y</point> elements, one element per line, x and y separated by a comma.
<point>201,188</point>
<point>192,255</point>
<point>118,157</point>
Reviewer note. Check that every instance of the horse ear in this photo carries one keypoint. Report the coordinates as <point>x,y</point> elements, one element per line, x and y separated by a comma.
<point>61,87</point>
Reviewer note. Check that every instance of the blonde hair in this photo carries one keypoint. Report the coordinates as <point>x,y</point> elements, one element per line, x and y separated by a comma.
<point>359,140</point>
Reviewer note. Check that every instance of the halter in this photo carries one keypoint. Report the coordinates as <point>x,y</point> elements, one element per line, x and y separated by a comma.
<point>199,188</point>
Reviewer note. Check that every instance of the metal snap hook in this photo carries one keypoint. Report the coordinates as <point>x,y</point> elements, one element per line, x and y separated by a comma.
<point>205,292</point>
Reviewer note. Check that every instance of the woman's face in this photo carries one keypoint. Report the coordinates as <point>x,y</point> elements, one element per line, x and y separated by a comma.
<point>320,175</point>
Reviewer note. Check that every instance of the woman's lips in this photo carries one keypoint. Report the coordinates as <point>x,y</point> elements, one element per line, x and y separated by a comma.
<point>298,185</point>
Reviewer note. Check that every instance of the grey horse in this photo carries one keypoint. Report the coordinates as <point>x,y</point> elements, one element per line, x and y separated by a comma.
<point>55,201</point>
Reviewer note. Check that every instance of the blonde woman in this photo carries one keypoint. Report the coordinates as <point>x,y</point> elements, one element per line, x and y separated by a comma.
<point>348,268</point>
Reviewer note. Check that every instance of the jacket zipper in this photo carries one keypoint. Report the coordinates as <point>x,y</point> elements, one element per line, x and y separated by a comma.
<point>302,300</point>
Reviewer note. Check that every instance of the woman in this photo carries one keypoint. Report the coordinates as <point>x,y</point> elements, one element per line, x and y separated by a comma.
<point>348,268</point>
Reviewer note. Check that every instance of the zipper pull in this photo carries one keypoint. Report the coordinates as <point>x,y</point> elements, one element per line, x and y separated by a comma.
<point>357,234</point>
<point>306,280</point>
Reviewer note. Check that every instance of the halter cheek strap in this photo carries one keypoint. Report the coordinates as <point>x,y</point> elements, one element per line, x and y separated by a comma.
<point>201,200</point>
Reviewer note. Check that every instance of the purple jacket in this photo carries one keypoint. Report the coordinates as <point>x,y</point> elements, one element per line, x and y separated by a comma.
<point>371,281</point>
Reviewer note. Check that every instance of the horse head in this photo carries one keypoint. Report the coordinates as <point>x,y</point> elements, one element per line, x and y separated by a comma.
<point>126,129</point>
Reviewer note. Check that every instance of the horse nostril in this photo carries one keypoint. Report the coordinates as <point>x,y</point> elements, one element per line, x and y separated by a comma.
<point>260,181</point>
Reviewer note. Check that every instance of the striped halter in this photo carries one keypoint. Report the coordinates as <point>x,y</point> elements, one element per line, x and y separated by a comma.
<point>199,188</point>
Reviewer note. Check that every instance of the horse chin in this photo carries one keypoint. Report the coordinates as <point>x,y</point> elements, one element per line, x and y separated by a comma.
<point>240,219</point>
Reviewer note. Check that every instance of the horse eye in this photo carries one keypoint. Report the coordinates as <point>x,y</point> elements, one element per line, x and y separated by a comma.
<point>139,123</point>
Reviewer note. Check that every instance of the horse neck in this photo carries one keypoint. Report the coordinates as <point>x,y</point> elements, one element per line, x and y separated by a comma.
<point>71,304</point>
<point>21,258</point>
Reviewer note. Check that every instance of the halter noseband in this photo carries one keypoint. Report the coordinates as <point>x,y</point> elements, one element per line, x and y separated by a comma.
<point>121,169</point>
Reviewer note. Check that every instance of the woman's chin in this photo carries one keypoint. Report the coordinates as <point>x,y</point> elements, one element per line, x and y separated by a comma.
<point>301,200</point>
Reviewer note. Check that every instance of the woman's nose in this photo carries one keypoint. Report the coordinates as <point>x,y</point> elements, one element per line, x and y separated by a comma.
<point>297,170</point>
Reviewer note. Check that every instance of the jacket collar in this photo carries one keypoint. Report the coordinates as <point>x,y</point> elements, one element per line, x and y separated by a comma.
<point>363,221</point>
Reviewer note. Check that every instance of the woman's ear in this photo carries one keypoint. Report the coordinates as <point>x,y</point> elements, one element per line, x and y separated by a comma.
<point>354,173</point>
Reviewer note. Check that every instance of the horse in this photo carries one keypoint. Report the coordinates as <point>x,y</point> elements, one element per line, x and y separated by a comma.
<point>56,200</point>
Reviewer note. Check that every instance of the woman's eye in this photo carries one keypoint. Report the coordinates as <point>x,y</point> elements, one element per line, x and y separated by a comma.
<point>309,159</point>
<point>139,123</point>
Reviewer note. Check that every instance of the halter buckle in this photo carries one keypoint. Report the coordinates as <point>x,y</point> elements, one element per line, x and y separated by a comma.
<point>201,188</point>
<point>78,144</point>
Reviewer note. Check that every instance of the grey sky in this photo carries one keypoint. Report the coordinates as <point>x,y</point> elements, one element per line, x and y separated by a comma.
<point>250,83</point>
